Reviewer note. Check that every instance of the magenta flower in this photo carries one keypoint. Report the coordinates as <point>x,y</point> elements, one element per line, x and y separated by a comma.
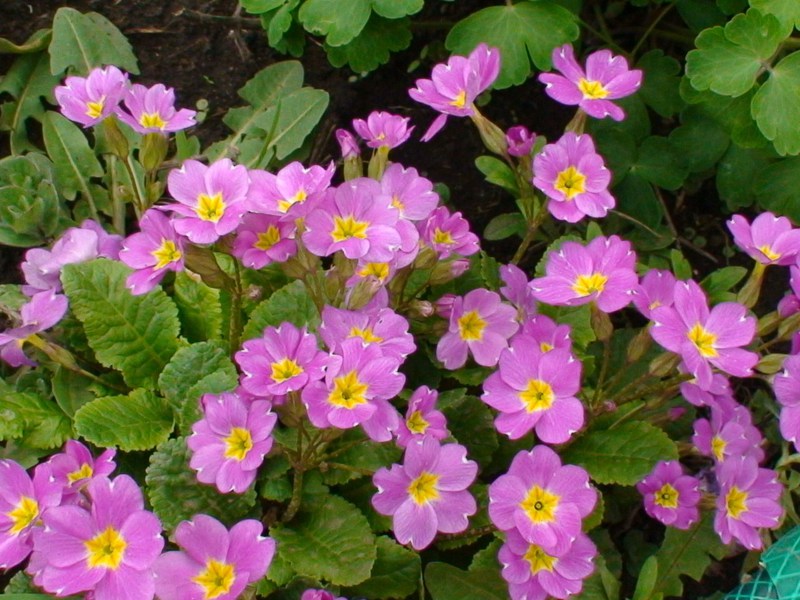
<point>601,272</point>
<point>108,550</point>
<point>607,77</point>
<point>427,493</point>
<point>382,327</point>
<point>75,467</point>
<point>152,110</point>
<point>670,496</point>
<point>479,323</point>
<point>574,178</point>
<point>542,499</point>
<point>520,140</point>
<point>656,288</point>
<point>213,562</point>
<point>517,291</point>
<point>89,100</point>
<point>790,303</point>
<point>383,129</point>
<point>535,390</point>
<point>548,334</point>
<point>448,234</point>
<point>156,249</point>
<point>43,311</point>
<point>23,501</point>
<point>291,193</point>
<point>285,359</point>
<point>705,338</point>
<point>534,573</point>
<point>348,144</point>
<point>264,239</point>
<point>422,418</point>
<point>716,395</point>
<point>409,193</point>
<point>453,87</point>
<point>787,391</point>
<point>231,440</point>
<point>769,240</point>
<point>320,595</point>
<point>749,498</point>
<point>729,434</point>
<point>211,199</point>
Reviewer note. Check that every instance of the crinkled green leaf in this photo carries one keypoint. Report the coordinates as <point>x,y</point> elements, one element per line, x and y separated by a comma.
<point>395,573</point>
<point>72,390</point>
<point>787,11</point>
<point>30,209</point>
<point>188,369</point>
<point>290,303</point>
<point>737,172</point>
<point>213,383</point>
<point>11,298</point>
<point>446,582</point>
<point>199,309</point>
<point>39,422</point>
<point>624,454</point>
<point>136,335</point>
<point>329,540</point>
<point>577,317</point>
<point>367,455</point>
<point>472,424</point>
<point>660,89</point>
<point>338,20</point>
<point>273,479</point>
<point>75,162</point>
<point>524,32</point>
<point>139,421</point>
<point>85,41</point>
<point>728,61</point>
<point>775,106</point>
<point>394,9</point>
<point>176,495</point>
<point>777,188</point>
<point>372,47</point>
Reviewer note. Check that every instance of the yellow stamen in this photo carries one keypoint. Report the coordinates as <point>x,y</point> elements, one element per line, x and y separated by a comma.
<point>718,448</point>
<point>416,423</point>
<point>703,341</point>
<point>540,505</point>
<point>736,502</point>
<point>345,228</point>
<point>152,121</point>
<point>365,334</point>
<point>166,253</point>
<point>267,239</point>
<point>539,560</point>
<point>285,204</point>
<point>216,579</point>
<point>378,270</point>
<point>570,182</point>
<point>348,391</point>
<point>592,90</point>
<point>84,472</point>
<point>210,208</point>
<point>442,237</point>
<point>460,101</point>
<point>23,514</point>
<point>586,285</point>
<point>769,252</point>
<point>545,347</point>
<point>471,326</point>
<point>423,489</point>
<point>95,109</point>
<point>285,369</point>
<point>106,549</point>
<point>396,203</point>
<point>667,496</point>
<point>538,395</point>
<point>238,443</point>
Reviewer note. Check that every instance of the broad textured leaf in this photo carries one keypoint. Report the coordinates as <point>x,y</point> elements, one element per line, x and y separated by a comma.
<point>700,141</point>
<point>394,9</point>
<point>338,20</point>
<point>213,383</point>
<point>199,309</point>
<point>30,209</point>
<point>261,6</point>
<point>719,283</point>
<point>446,582</point>
<point>659,162</point>
<point>661,82</point>
<point>367,455</point>
<point>188,369</point>
<point>290,303</point>
<point>11,298</point>
<point>737,171</point>
<point>471,422</point>
<point>636,124</point>
<point>35,43</point>
<point>498,173</point>
<point>395,573</point>
<point>85,41</point>
<point>777,188</point>
<point>775,106</point>
<point>624,454</point>
<point>176,495</point>
<point>139,421</point>
<point>372,47</point>
<point>299,113</point>
<point>727,61</point>
<point>787,11</point>
<point>504,226</point>
<point>330,540</point>
<point>72,390</point>
<point>75,162</point>
<point>524,32</point>
<point>38,421</point>
<point>136,335</point>
<point>601,584</point>
<point>577,317</point>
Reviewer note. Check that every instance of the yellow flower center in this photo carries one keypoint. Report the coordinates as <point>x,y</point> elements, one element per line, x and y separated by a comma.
<point>736,502</point>
<point>378,270</point>
<point>667,496</point>
<point>83,473</point>
<point>166,253</point>
<point>471,326</point>
<point>216,579</point>
<point>538,395</point>
<point>539,560</point>
<point>570,182</point>
<point>23,514</point>
<point>365,334</point>
<point>592,90</point>
<point>416,423</point>
<point>348,391</point>
<point>540,505</point>
<point>769,252</point>
<point>238,443</point>
<point>267,239</point>
<point>460,101</point>
<point>210,208</point>
<point>345,228</point>
<point>95,109</point>
<point>152,121</point>
<point>396,203</point>
<point>423,489</point>
<point>442,237</point>
<point>106,549</point>
<point>545,347</point>
<point>718,446</point>
<point>285,204</point>
<point>703,341</point>
<point>285,369</point>
<point>586,285</point>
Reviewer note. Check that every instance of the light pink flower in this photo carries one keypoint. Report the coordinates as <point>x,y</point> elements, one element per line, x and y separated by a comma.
<point>89,100</point>
<point>152,110</point>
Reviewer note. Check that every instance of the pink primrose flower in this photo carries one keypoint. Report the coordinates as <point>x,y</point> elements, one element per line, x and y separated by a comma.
<point>535,390</point>
<point>409,193</point>
<point>454,86</point>
<point>264,239</point>
<point>543,500</point>
<point>520,141</point>
<point>787,391</point>
<point>291,193</point>
<point>383,129</point>
<point>427,493</point>
<point>89,100</point>
<point>534,573</point>
<point>152,110</point>
<point>156,249</point>
<point>548,334</point>
<point>670,496</point>
<point>480,323</point>
<point>574,178</point>
<point>43,311</point>
<point>108,550</point>
<point>607,77</point>
<point>729,434</point>
<point>23,501</point>
<point>231,440</point>
<point>656,288</point>
<point>790,303</point>
<point>448,234</point>
<point>348,144</point>
<point>770,240</point>
<point>517,291</point>
<point>213,562</point>
<point>717,395</point>
<point>75,467</point>
<point>422,418</point>
<point>705,338</point>
<point>382,327</point>
<point>601,272</point>
<point>320,595</point>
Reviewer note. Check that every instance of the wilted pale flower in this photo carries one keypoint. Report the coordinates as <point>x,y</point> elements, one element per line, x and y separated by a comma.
<point>89,100</point>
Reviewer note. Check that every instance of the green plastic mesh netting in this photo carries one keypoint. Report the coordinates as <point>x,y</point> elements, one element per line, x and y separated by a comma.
<point>779,577</point>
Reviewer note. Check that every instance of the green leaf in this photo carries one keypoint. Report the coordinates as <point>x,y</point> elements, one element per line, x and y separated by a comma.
<point>524,32</point>
<point>472,424</point>
<point>624,454</point>
<point>290,303</point>
<point>787,12</point>
<point>446,582</point>
<point>176,495</point>
<point>504,226</point>
<point>199,309</point>
<point>139,421</point>
<point>732,114</point>
<point>737,172</point>
<point>647,581</point>
<point>37,42</point>
<point>659,162</point>
<point>680,266</point>
<point>728,61</point>
<point>394,9</point>
<point>719,283</point>
<point>190,367</point>
<point>136,335</point>
<point>602,584</point>
<point>72,390</point>
<point>577,317</point>
<point>395,573</point>
<point>86,41</point>
<point>39,422</point>
<point>329,540</point>
<point>372,47</point>
<point>338,20</point>
<point>699,141</point>
<point>636,124</point>
<point>776,188</point>
<point>299,113</point>
<point>498,173</point>
<point>75,162</point>
<point>660,89</point>
<point>368,455</point>
<point>775,107</point>
<point>260,6</point>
